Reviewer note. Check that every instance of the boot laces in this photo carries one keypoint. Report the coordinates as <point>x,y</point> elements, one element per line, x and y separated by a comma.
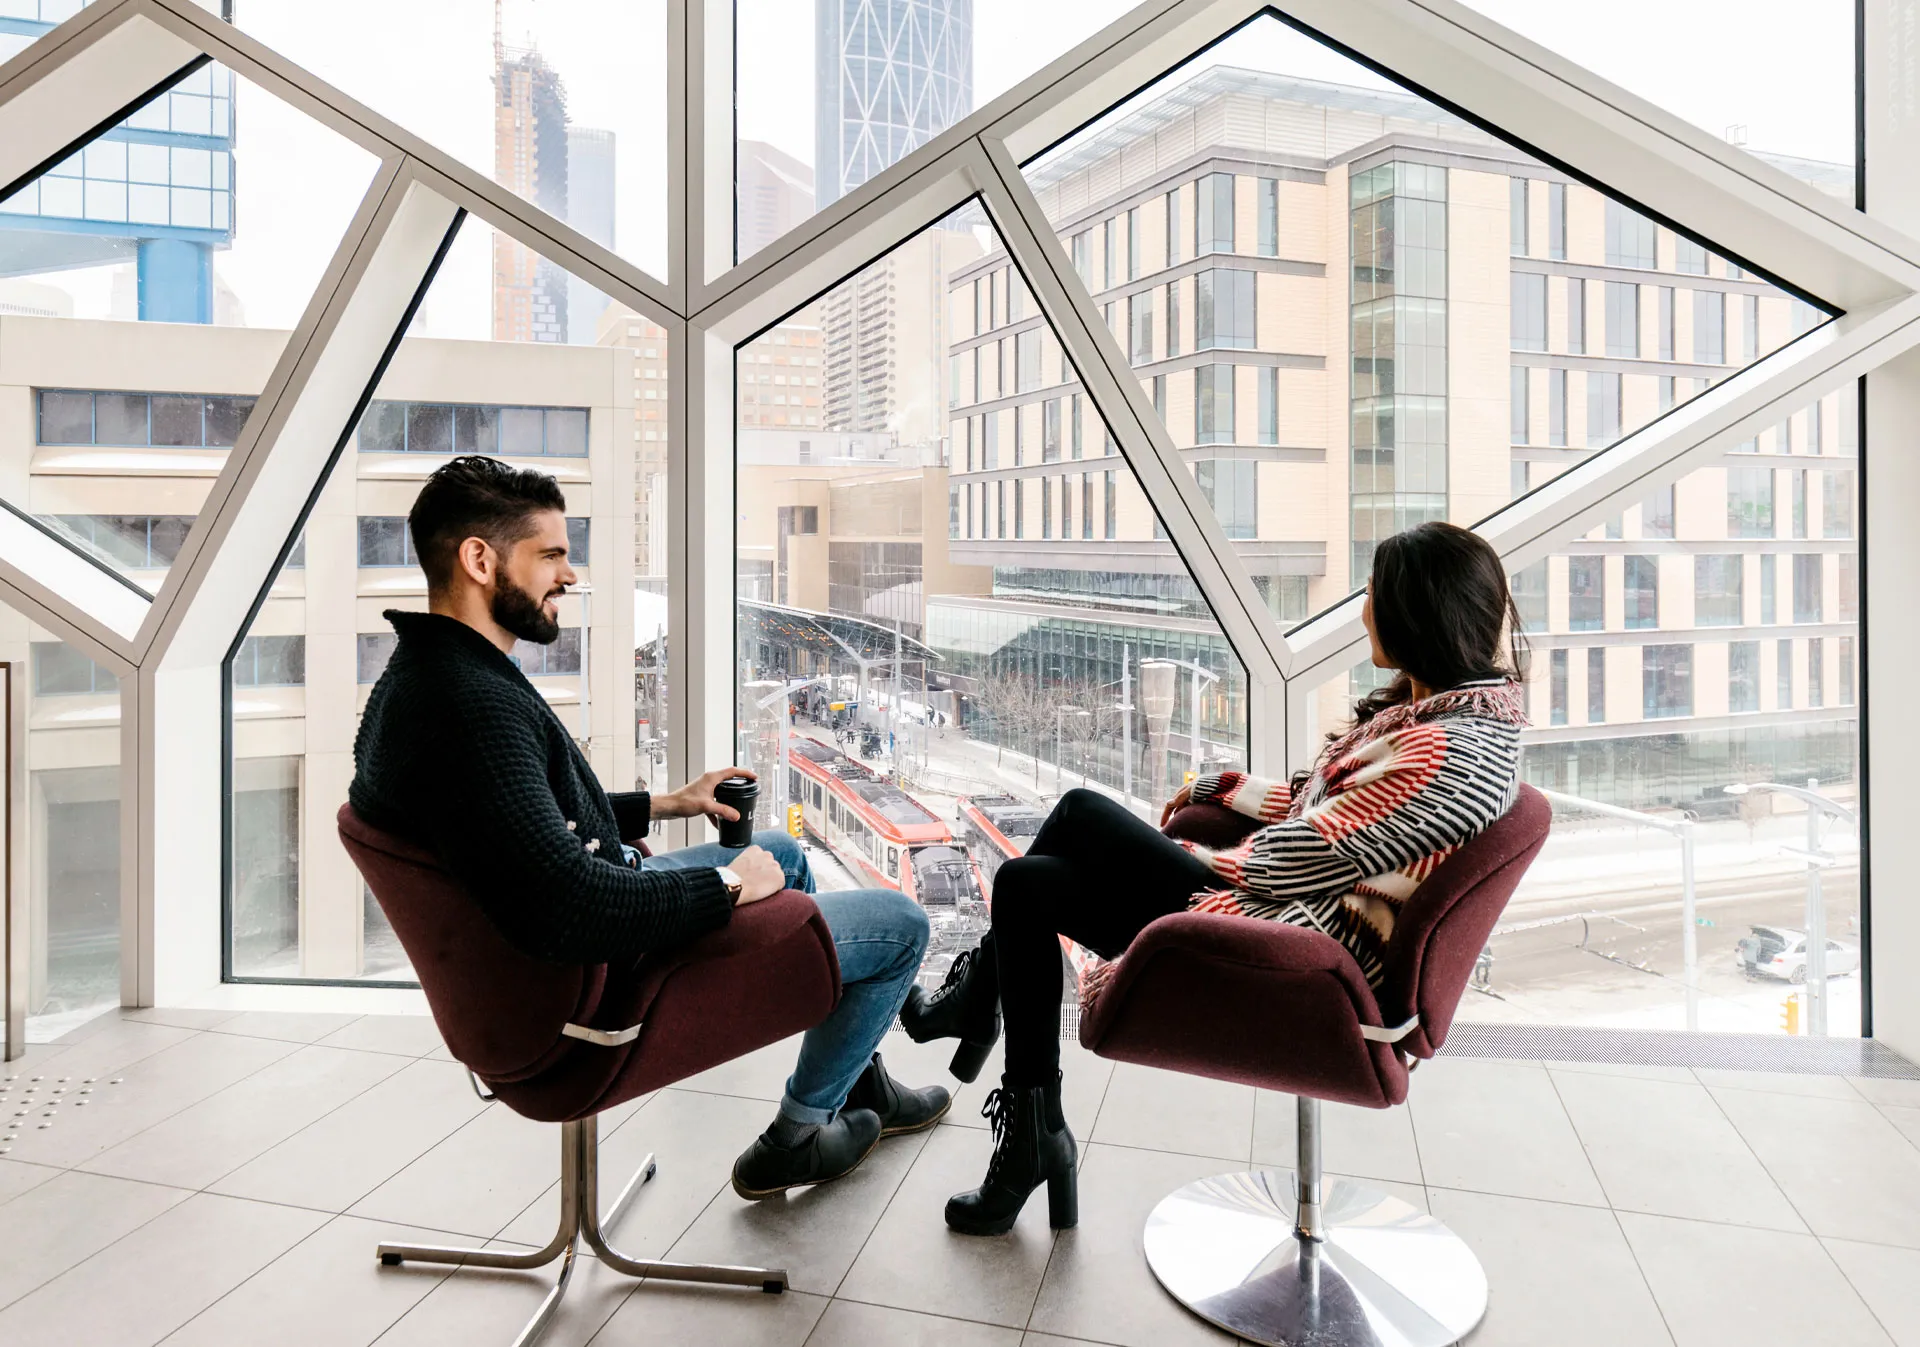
<point>998,1111</point>
<point>956,977</point>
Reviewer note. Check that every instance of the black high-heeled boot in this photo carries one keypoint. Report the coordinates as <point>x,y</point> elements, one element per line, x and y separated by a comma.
<point>1031,1146</point>
<point>966,1006</point>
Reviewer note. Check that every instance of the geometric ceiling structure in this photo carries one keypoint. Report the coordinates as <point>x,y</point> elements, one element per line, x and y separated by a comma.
<point>112,55</point>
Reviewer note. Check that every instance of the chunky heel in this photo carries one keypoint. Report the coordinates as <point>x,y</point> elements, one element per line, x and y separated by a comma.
<point>968,1058</point>
<point>1063,1200</point>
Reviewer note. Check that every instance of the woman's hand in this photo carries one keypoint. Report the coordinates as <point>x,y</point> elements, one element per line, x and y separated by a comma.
<point>1181,798</point>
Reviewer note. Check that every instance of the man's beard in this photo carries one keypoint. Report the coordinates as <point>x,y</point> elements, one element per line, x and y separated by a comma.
<point>522,614</point>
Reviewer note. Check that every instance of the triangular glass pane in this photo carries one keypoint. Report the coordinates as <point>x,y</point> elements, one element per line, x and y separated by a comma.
<point>827,95</point>
<point>563,104</point>
<point>952,608</point>
<point>464,380</point>
<point>71,828</point>
<point>149,282</point>
<point>1355,311</point>
<point>1783,89</point>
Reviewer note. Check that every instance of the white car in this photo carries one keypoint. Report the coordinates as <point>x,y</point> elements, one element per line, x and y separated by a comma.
<point>1775,951</point>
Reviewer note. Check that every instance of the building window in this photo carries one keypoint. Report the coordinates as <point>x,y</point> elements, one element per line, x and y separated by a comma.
<point>1231,488</point>
<point>1160,397</point>
<point>172,420</point>
<point>1016,296</point>
<point>1656,516</point>
<point>1642,593</point>
<point>139,542</point>
<point>1269,418</point>
<point>1596,686</point>
<point>1050,431</point>
<point>1133,244</point>
<point>1046,507</point>
<point>1797,492</point>
<point>1529,588</point>
<point>1749,327</point>
<point>1586,593</point>
<point>545,661</point>
<point>1576,316</point>
<point>1269,195</point>
<point>1557,407</point>
<point>62,670</point>
<point>1027,361</point>
<point>1623,319</point>
<point>1718,593</point>
<point>1173,319</point>
<point>385,541</point>
<point>1603,408</point>
<point>1529,311</point>
<point>1848,564</point>
<point>1086,505</point>
<point>953,513</point>
<point>1000,506</point>
<point>1664,325</point>
<point>1808,602</point>
<point>1749,502</point>
<point>1557,221</point>
<point>1223,311</point>
<point>1666,681</point>
<point>1517,218</point>
<point>1846,671</point>
<point>375,648</point>
<point>1709,328</point>
<point>1689,256</point>
<point>1769,605</point>
<point>1109,253</point>
<point>1213,404</point>
<point>270,661</point>
<point>1140,324</point>
<point>1076,426</point>
<point>1557,682</point>
<point>1816,672</point>
<point>1213,214</point>
<point>1836,505</point>
<point>1517,402</point>
<point>1783,676</point>
<point>1629,237</point>
<point>1113,508</point>
<point>1517,479</point>
<point>1173,227</point>
<point>1743,676</point>
<point>1081,248</point>
<point>438,428</point>
<point>990,441</point>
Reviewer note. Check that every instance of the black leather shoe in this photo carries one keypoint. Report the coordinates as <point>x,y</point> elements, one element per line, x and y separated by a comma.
<point>1027,1152</point>
<point>765,1170</point>
<point>966,1006</point>
<point>900,1109</point>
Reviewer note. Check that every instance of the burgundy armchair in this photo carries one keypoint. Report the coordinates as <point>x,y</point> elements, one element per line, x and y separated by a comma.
<point>1286,1008</point>
<point>564,1042</point>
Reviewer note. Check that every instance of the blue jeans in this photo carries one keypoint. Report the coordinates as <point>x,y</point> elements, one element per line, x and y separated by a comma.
<point>879,936</point>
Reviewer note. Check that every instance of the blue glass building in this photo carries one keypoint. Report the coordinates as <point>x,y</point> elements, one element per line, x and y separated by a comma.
<point>890,75</point>
<point>156,190</point>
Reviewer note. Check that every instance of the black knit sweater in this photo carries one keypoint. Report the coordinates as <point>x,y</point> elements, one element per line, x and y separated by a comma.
<point>459,753</point>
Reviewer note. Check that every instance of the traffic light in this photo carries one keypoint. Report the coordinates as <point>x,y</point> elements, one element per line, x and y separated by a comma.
<point>1790,1015</point>
<point>793,820</point>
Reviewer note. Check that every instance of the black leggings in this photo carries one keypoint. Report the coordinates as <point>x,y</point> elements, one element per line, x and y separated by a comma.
<point>1096,873</point>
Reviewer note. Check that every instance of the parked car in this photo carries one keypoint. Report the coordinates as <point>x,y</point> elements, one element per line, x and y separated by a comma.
<point>1775,951</point>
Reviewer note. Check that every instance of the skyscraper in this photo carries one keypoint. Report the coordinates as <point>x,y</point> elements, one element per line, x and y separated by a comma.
<point>529,157</point>
<point>889,76</point>
<point>589,210</point>
<point>774,191</point>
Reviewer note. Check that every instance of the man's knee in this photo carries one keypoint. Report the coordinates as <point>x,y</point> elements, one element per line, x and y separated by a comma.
<point>911,919</point>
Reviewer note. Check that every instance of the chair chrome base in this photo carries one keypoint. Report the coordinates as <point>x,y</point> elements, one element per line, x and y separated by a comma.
<point>1278,1261</point>
<point>580,1219</point>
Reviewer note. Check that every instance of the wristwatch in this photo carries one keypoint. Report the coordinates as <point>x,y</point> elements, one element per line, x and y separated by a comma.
<point>732,881</point>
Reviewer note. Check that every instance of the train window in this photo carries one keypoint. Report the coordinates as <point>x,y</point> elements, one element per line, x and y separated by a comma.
<point>893,862</point>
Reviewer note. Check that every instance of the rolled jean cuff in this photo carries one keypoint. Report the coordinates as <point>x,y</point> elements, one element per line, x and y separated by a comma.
<point>794,1110</point>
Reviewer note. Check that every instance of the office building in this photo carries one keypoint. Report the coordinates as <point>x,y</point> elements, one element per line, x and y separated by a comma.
<point>590,181</point>
<point>890,75</point>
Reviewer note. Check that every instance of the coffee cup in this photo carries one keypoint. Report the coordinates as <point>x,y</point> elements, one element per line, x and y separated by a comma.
<point>741,793</point>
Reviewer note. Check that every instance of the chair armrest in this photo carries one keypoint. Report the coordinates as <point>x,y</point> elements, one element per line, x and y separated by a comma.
<point>1211,825</point>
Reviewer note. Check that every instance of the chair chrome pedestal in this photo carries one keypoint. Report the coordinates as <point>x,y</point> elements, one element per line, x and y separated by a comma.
<point>580,1219</point>
<point>1281,1259</point>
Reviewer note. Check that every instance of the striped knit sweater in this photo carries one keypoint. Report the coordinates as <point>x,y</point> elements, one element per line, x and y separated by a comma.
<point>1386,804</point>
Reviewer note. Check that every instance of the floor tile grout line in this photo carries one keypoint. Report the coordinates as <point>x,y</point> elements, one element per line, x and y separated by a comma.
<point>1085,1150</point>
<point>925,1139</point>
<point>48,1281</point>
<point>208,1186</point>
<point>1765,1168</point>
<point>290,1252</point>
<point>1646,1281</point>
<point>943,1317</point>
<point>1859,1295</point>
<point>1572,1127</point>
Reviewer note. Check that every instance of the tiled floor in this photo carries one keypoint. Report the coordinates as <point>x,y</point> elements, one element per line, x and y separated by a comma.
<point>230,1188</point>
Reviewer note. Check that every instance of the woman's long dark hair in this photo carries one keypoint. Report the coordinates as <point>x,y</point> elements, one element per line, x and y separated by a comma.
<point>1441,608</point>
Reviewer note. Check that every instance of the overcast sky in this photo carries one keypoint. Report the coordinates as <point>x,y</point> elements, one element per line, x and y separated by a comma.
<point>1780,68</point>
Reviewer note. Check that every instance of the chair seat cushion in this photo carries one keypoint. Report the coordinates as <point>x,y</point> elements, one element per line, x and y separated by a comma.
<point>768,974</point>
<point>1255,1002</point>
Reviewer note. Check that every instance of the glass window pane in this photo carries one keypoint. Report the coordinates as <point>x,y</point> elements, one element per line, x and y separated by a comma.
<point>178,420</point>
<point>66,418</point>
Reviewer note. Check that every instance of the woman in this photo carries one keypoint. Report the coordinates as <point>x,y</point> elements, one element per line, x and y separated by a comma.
<point>1429,762</point>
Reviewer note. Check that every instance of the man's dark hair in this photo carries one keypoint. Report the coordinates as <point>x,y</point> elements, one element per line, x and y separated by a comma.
<point>476,497</point>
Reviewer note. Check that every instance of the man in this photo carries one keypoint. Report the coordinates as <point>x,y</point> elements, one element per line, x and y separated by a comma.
<point>460,753</point>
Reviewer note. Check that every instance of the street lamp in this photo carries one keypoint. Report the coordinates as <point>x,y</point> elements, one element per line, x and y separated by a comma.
<point>1060,714</point>
<point>1816,860</point>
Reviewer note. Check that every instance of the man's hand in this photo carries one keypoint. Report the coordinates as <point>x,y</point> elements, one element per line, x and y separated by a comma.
<point>1179,801</point>
<point>760,874</point>
<point>696,797</point>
